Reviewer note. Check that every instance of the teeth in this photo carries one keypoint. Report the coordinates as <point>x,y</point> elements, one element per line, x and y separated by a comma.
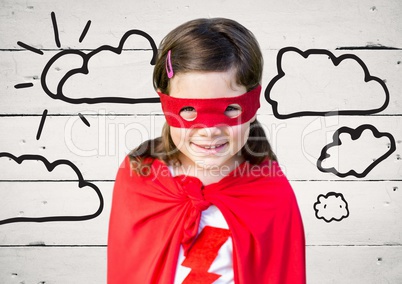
<point>212,147</point>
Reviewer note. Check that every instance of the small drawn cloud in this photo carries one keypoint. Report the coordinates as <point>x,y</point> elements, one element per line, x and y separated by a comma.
<point>83,189</point>
<point>78,62</point>
<point>331,207</point>
<point>317,83</point>
<point>355,152</point>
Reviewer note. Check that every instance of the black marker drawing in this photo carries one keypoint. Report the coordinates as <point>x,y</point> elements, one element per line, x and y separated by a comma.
<point>23,85</point>
<point>30,48</point>
<point>331,207</point>
<point>84,70</point>
<point>50,166</point>
<point>367,145</point>
<point>84,32</point>
<point>84,120</point>
<point>42,123</point>
<point>55,29</point>
<point>85,57</point>
<point>315,77</point>
<point>371,46</point>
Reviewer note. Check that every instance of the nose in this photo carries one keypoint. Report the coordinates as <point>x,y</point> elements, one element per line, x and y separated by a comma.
<point>210,131</point>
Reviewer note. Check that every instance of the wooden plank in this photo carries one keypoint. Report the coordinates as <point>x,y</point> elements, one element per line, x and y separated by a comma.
<point>53,199</point>
<point>374,213</point>
<point>350,265</point>
<point>108,139</point>
<point>372,217</point>
<point>325,265</point>
<point>298,144</point>
<point>126,76</point>
<point>278,24</point>
<point>53,265</point>
<point>129,75</point>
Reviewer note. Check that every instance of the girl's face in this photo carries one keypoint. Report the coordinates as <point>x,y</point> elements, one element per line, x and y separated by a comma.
<point>217,146</point>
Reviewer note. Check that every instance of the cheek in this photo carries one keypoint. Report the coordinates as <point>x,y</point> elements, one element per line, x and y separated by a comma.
<point>179,136</point>
<point>240,134</point>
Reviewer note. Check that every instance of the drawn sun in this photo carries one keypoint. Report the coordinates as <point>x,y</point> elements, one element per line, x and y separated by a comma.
<point>40,52</point>
<point>58,93</point>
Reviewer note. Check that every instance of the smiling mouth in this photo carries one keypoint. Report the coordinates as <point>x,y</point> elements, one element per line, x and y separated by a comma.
<point>215,147</point>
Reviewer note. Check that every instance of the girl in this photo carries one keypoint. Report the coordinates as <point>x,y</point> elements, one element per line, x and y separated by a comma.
<point>207,201</point>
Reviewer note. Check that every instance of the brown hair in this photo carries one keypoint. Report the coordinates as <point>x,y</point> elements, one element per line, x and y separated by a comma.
<point>215,44</point>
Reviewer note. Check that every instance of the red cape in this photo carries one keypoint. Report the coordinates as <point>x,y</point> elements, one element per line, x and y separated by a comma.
<point>152,216</point>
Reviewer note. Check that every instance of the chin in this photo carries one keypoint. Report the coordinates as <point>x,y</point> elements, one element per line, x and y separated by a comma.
<point>214,162</point>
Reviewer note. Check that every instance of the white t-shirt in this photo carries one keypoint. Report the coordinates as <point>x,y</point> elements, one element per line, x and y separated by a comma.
<point>223,263</point>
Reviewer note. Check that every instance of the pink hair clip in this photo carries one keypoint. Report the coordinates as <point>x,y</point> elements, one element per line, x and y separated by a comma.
<point>169,68</point>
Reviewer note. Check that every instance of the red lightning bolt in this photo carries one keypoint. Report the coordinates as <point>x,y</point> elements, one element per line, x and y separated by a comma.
<point>203,253</point>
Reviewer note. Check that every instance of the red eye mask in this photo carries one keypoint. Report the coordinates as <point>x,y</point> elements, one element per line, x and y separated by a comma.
<point>210,112</point>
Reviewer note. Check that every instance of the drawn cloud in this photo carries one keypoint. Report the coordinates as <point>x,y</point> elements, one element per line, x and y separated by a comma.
<point>79,59</point>
<point>355,152</point>
<point>85,189</point>
<point>317,83</point>
<point>331,207</point>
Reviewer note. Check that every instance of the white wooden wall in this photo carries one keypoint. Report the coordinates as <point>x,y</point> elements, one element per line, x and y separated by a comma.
<point>361,246</point>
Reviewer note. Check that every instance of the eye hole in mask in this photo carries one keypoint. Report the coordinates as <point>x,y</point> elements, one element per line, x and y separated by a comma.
<point>233,110</point>
<point>188,113</point>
